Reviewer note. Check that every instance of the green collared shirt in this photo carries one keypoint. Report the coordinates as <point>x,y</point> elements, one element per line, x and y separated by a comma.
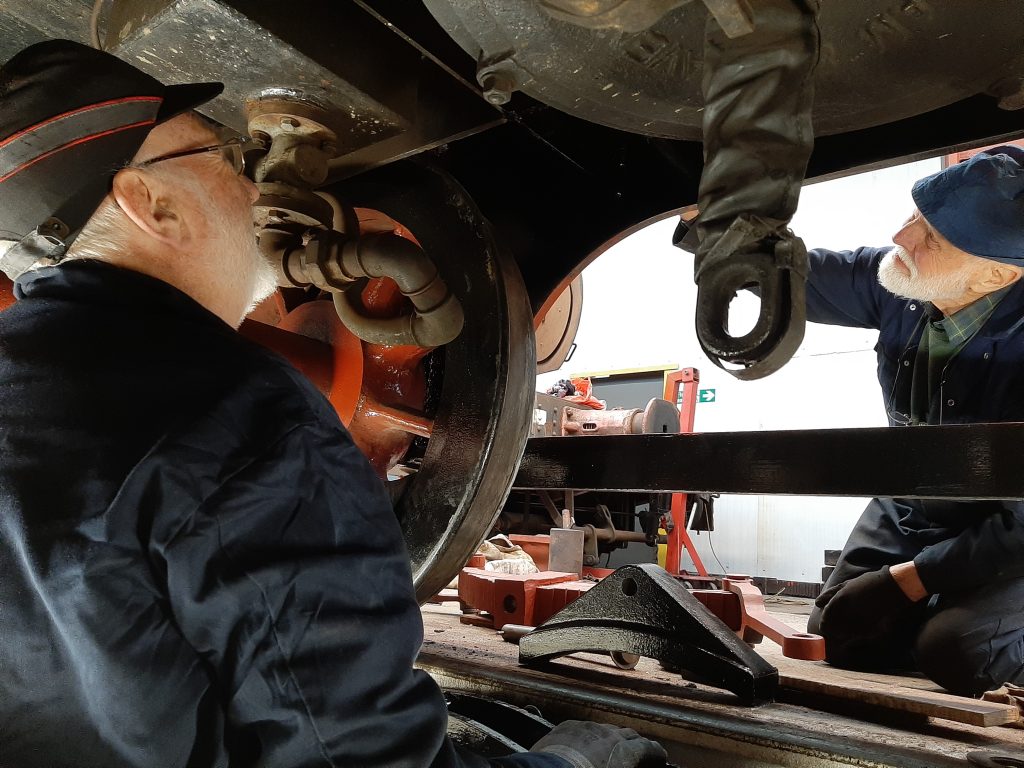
<point>941,339</point>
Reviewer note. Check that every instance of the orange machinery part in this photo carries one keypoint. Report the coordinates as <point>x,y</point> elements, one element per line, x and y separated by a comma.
<point>528,599</point>
<point>6,292</point>
<point>755,618</point>
<point>740,605</point>
<point>334,365</point>
<point>687,381</point>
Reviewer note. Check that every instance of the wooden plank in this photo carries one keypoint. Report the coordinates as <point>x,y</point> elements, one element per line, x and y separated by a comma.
<point>902,699</point>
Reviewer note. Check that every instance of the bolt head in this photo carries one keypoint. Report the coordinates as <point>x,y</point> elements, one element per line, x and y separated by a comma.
<point>289,124</point>
<point>497,87</point>
<point>498,98</point>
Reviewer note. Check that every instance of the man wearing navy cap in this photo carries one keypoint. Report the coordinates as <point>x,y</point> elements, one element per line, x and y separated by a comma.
<point>937,584</point>
<point>197,566</point>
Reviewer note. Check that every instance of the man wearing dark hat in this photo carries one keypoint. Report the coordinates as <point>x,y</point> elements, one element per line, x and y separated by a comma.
<point>197,566</point>
<point>937,584</point>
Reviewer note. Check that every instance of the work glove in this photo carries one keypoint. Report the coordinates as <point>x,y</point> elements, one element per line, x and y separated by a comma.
<point>595,745</point>
<point>859,615</point>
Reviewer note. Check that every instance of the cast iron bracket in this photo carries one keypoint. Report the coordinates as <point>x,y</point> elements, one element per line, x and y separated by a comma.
<point>640,609</point>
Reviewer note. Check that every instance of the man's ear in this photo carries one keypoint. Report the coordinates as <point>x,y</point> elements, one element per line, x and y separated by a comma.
<point>145,201</point>
<point>996,276</point>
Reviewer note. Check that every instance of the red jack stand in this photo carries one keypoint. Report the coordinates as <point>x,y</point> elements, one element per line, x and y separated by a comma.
<point>678,538</point>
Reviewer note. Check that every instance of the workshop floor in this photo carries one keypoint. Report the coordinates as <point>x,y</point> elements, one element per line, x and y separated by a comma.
<point>865,713</point>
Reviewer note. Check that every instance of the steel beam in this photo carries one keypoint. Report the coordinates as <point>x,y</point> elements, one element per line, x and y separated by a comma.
<point>977,461</point>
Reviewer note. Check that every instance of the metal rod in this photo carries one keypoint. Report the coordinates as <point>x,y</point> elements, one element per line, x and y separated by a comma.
<point>688,380</point>
<point>977,461</point>
<point>567,694</point>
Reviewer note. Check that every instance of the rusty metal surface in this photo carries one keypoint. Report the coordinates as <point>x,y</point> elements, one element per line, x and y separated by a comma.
<point>882,60</point>
<point>556,327</point>
<point>556,416</point>
<point>658,417</point>
<point>977,461</point>
<point>642,610</point>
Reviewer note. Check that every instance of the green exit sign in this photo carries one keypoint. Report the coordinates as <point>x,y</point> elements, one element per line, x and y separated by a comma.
<point>705,395</point>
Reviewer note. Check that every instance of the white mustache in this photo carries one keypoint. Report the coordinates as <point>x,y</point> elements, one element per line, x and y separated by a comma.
<point>900,253</point>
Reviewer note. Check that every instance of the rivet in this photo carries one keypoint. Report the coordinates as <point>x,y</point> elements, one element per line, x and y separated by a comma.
<point>951,402</point>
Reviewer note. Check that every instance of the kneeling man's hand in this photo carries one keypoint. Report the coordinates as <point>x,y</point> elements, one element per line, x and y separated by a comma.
<point>863,609</point>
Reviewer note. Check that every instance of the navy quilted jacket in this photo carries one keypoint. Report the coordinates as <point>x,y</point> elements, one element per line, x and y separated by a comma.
<point>976,542</point>
<point>197,566</point>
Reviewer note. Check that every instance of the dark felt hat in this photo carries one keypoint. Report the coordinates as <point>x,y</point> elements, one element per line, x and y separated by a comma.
<point>978,205</point>
<point>70,118</point>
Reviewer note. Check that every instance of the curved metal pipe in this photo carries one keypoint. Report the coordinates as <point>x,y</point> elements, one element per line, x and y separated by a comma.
<point>438,316</point>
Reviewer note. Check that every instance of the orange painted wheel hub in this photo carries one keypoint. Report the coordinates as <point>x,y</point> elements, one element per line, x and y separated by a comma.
<point>379,392</point>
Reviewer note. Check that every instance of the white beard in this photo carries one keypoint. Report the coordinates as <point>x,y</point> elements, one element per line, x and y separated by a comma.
<point>252,269</point>
<point>264,278</point>
<point>949,286</point>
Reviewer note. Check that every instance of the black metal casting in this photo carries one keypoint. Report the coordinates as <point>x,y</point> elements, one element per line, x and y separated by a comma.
<point>641,609</point>
<point>758,94</point>
<point>976,461</point>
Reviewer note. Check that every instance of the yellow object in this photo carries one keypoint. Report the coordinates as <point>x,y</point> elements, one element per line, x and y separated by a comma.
<point>662,548</point>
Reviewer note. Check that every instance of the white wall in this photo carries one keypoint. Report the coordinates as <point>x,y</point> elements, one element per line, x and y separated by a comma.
<point>638,311</point>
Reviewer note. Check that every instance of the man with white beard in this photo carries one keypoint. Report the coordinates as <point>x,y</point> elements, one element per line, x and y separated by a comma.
<point>936,585</point>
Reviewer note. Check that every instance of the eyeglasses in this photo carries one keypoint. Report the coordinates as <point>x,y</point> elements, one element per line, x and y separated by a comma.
<point>232,151</point>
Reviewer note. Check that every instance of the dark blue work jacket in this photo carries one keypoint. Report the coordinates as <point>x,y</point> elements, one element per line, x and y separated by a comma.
<point>972,543</point>
<point>983,382</point>
<point>197,566</point>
